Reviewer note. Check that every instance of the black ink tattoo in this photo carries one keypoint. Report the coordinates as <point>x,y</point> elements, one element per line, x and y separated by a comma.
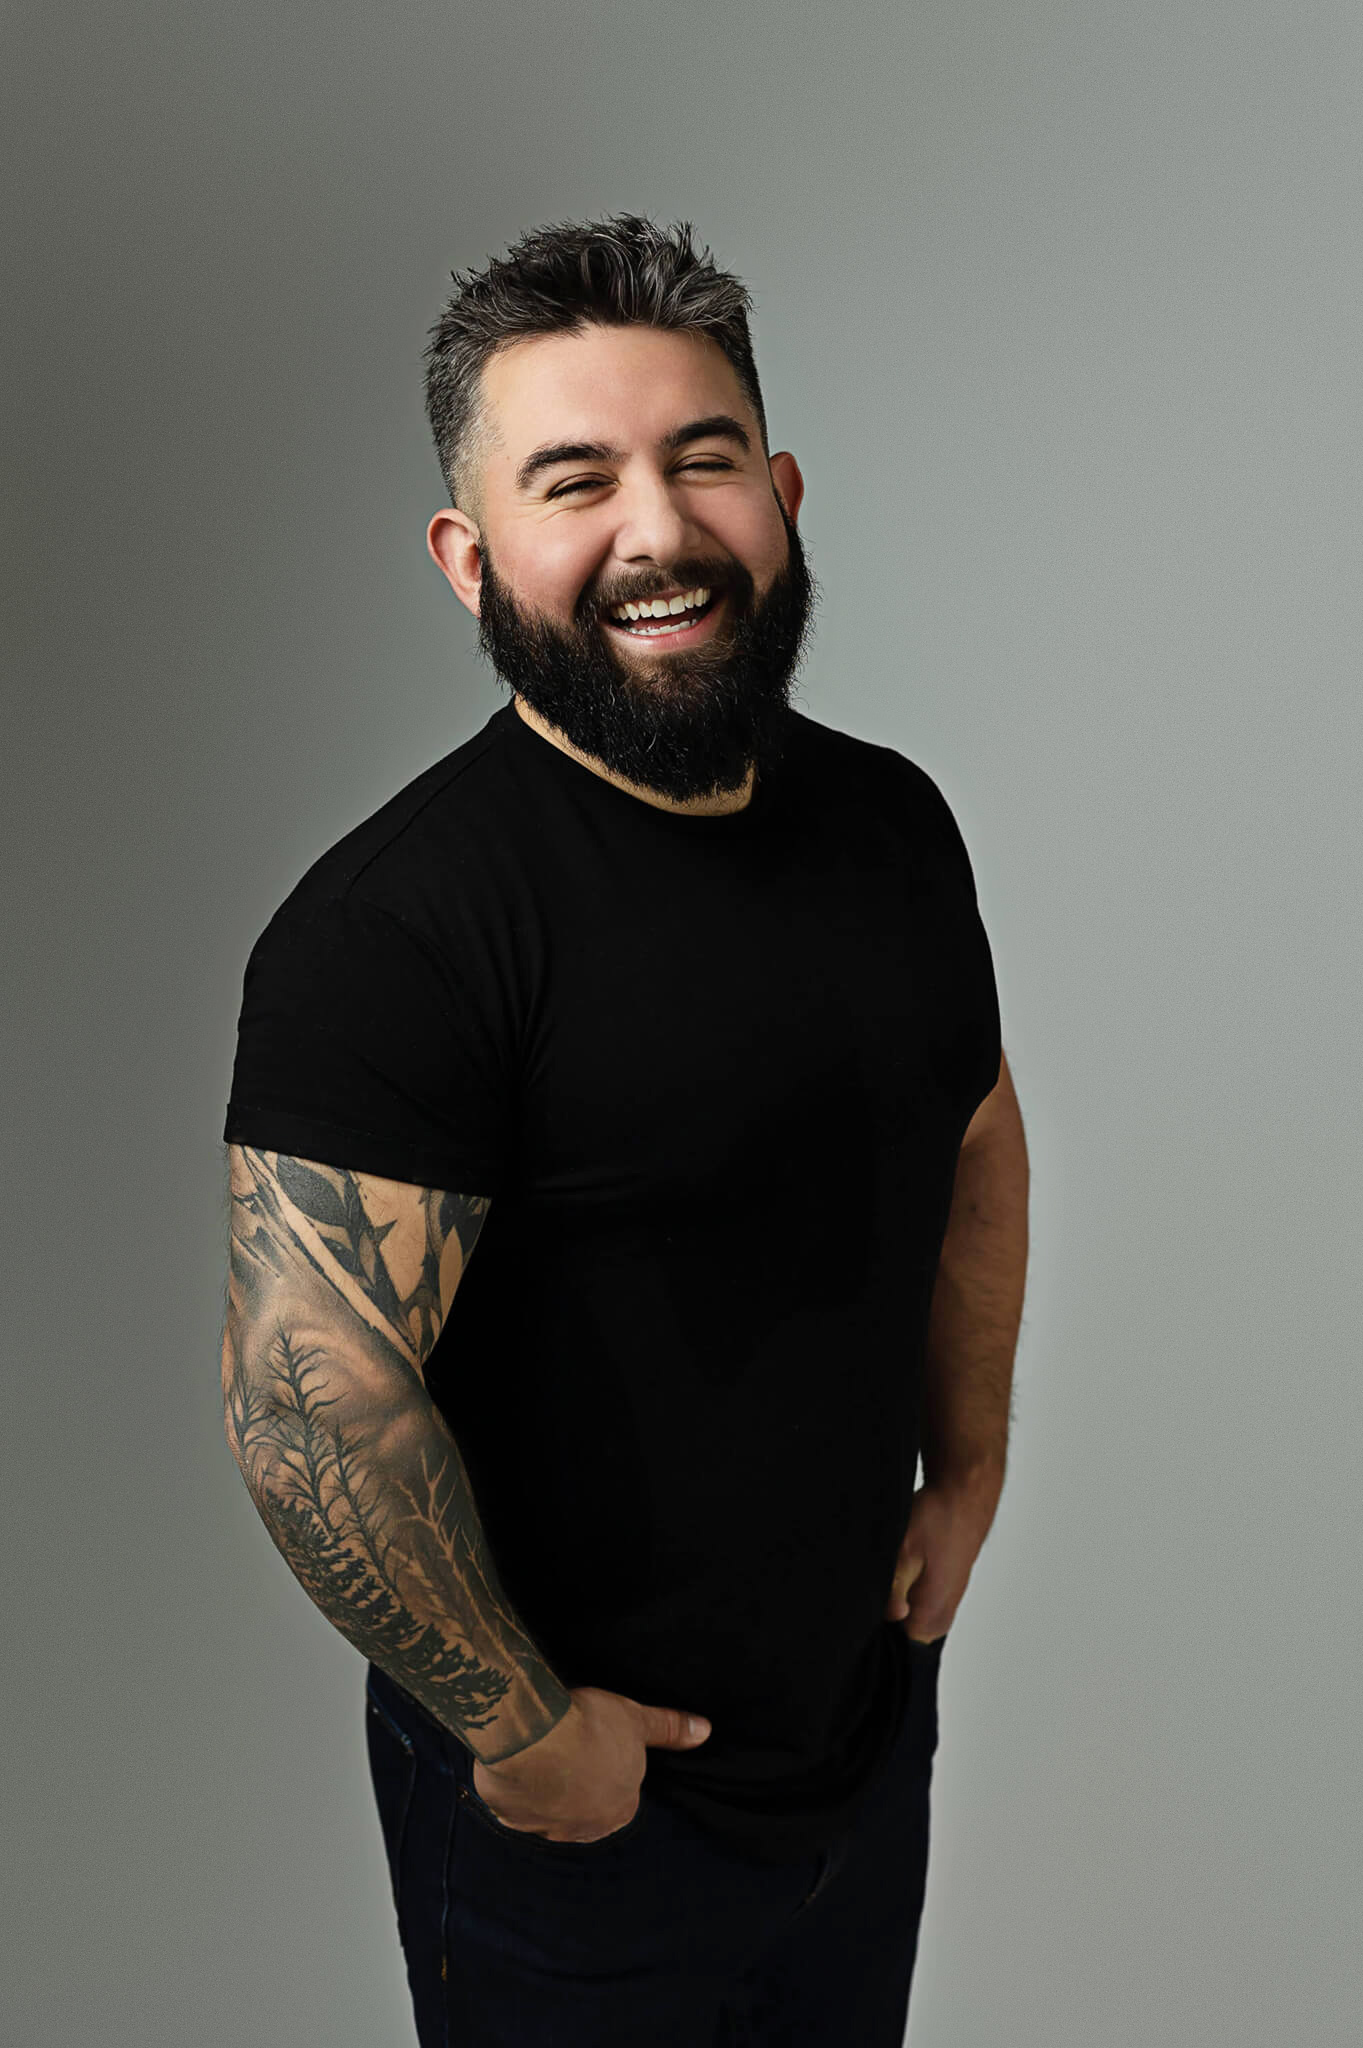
<point>351,1467</point>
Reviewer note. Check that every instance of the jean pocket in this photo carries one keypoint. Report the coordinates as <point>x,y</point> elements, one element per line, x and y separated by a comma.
<point>393,1768</point>
<point>542,1845</point>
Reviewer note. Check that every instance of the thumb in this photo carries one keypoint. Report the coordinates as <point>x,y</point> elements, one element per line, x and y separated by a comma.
<point>909,1569</point>
<point>670,1728</point>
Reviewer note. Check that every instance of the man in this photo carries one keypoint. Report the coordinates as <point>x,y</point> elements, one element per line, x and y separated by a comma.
<point>676,1004</point>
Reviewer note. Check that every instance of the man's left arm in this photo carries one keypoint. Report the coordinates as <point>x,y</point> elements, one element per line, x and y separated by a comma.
<point>968,1370</point>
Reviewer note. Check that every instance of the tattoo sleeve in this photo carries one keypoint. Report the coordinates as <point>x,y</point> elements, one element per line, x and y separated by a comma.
<point>339,1284</point>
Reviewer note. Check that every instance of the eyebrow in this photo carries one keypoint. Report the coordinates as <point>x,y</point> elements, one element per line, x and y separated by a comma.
<point>718,426</point>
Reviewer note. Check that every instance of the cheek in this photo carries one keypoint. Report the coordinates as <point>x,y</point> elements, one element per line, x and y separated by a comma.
<point>758,538</point>
<point>554,572</point>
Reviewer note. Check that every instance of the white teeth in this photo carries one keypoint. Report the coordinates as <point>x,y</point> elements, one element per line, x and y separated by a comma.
<point>663,607</point>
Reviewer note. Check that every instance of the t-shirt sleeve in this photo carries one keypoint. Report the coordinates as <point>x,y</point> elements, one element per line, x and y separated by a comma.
<point>942,833</point>
<point>361,1047</point>
<point>978,1043</point>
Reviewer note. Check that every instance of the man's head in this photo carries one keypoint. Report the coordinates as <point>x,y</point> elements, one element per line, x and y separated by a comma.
<point>598,419</point>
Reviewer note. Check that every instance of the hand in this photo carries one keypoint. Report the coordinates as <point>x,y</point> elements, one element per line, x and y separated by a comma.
<point>947,1524</point>
<point>580,1782</point>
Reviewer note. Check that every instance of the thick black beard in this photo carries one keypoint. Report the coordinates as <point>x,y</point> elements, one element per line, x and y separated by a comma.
<point>688,724</point>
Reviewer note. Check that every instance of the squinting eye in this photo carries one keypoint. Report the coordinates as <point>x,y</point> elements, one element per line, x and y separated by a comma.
<point>594,483</point>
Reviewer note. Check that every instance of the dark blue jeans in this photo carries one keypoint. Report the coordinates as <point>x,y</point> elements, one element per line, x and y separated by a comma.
<point>658,1934</point>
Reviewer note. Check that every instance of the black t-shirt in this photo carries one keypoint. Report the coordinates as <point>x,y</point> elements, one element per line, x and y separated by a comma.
<point>714,1073</point>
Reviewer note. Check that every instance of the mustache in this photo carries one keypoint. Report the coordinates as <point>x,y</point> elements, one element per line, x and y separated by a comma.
<point>715,577</point>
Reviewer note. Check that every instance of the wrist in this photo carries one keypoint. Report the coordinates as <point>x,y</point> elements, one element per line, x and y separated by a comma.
<point>976,1482</point>
<point>559,1712</point>
<point>541,1745</point>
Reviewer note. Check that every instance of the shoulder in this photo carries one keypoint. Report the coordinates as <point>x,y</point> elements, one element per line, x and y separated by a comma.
<point>889,795</point>
<point>451,804</point>
<point>424,844</point>
<point>863,768</point>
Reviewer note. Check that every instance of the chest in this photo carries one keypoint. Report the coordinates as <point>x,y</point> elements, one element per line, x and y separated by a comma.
<point>723,1041</point>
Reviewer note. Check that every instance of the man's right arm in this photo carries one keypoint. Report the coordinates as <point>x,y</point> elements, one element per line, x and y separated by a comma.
<point>340,1283</point>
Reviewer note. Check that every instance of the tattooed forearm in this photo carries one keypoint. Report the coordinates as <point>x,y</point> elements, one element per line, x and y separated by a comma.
<point>338,1288</point>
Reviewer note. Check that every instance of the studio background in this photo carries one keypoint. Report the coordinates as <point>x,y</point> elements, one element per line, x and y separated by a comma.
<point>1059,307</point>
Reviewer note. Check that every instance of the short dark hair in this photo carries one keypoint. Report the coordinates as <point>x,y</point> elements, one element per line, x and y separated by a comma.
<point>619,272</point>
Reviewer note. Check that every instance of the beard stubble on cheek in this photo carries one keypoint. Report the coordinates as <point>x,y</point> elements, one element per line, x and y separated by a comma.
<point>685,724</point>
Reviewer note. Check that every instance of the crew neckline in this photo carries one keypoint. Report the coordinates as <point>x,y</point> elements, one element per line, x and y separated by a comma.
<point>575,773</point>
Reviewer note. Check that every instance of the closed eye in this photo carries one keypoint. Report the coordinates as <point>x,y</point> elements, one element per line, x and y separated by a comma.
<point>592,483</point>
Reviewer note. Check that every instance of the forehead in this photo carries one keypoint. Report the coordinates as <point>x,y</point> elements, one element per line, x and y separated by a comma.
<point>622,385</point>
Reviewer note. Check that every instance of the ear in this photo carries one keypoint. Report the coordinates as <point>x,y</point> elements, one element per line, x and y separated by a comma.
<point>455,546</point>
<point>787,482</point>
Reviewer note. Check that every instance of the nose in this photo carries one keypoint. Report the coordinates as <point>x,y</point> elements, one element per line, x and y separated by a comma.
<point>653,527</point>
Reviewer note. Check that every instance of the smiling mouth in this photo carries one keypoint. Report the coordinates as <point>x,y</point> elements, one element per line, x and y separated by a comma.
<point>694,606</point>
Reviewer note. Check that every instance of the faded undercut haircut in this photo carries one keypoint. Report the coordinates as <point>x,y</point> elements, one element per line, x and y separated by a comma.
<point>621,272</point>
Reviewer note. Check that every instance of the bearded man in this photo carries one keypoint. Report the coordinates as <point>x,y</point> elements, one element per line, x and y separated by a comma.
<point>677,1005</point>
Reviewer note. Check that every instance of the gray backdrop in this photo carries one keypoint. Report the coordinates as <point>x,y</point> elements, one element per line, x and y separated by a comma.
<point>1059,307</point>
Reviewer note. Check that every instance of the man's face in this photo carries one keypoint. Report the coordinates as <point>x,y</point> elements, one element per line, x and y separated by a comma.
<point>618,474</point>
